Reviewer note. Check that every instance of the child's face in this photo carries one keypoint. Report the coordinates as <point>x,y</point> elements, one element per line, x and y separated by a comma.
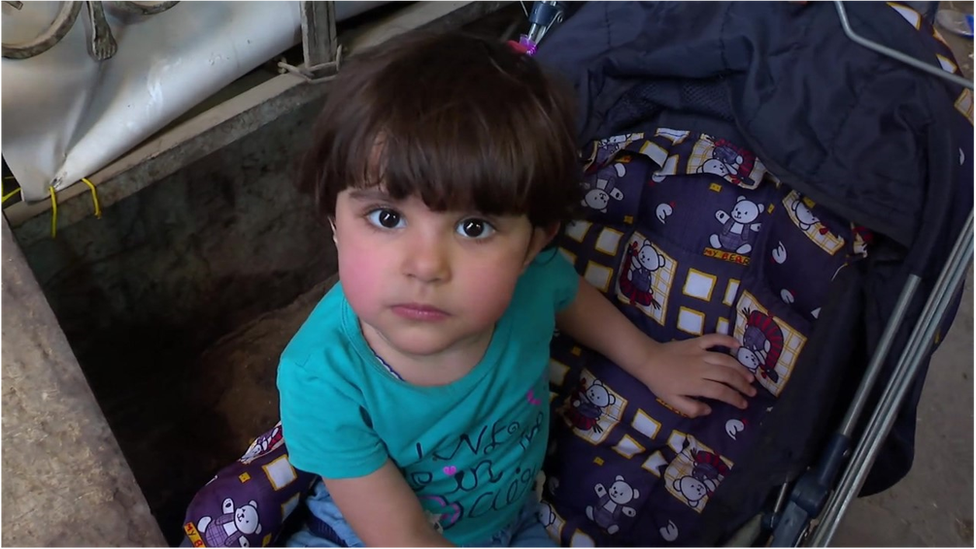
<point>428,282</point>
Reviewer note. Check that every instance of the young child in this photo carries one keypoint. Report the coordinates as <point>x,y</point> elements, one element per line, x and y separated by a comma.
<point>418,388</point>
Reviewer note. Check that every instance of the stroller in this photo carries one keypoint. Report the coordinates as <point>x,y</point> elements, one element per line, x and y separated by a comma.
<point>749,169</point>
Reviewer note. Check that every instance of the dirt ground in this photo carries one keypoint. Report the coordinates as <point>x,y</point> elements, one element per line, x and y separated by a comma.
<point>215,406</point>
<point>244,364</point>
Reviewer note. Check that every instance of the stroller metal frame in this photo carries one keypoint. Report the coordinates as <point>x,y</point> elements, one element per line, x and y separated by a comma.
<point>808,499</point>
<point>947,287</point>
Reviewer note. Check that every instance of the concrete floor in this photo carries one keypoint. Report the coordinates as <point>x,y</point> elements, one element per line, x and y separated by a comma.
<point>933,505</point>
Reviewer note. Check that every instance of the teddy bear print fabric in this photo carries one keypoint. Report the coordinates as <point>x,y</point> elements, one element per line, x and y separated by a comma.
<point>688,234</point>
<point>247,503</point>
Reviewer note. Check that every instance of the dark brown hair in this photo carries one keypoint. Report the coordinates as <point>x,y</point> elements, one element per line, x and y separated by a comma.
<point>465,123</point>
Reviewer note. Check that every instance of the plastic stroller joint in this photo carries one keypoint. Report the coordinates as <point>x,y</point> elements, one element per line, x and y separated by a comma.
<point>809,495</point>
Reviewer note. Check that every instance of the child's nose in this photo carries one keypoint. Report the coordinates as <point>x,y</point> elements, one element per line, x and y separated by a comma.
<point>427,259</point>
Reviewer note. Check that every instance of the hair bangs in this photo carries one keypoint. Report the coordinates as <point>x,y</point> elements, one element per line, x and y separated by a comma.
<point>454,161</point>
<point>463,123</point>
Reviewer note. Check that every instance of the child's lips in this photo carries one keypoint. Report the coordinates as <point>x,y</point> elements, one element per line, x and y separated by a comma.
<point>419,311</point>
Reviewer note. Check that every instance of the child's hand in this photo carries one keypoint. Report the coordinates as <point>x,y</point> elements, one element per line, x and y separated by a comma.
<point>680,370</point>
<point>676,372</point>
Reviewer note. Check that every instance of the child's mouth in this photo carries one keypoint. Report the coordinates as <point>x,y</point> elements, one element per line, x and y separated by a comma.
<point>418,311</point>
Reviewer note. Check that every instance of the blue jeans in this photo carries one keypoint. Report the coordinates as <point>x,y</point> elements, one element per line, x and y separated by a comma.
<point>525,531</point>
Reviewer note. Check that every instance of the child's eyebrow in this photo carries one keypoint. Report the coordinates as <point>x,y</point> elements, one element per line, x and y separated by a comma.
<point>370,194</point>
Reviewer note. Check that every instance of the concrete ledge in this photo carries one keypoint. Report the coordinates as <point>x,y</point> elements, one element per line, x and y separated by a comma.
<point>65,479</point>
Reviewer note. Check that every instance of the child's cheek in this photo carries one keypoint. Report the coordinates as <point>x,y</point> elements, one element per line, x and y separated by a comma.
<point>360,274</point>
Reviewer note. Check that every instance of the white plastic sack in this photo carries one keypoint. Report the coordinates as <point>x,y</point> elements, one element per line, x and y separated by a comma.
<point>65,115</point>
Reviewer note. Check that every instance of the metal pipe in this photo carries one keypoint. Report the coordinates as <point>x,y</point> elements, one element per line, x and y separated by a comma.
<point>879,356</point>
<point>895,54</point>
<point>781,498</point>
<point>948,284</point>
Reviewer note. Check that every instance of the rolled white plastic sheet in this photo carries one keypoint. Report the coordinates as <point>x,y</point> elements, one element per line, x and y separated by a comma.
<point>66,115</point>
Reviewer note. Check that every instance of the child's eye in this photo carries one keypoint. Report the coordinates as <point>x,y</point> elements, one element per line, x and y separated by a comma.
<point>385,218</point>
<point>475,228</point>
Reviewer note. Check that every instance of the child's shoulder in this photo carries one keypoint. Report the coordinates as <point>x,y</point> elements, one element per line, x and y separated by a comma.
<point>323,335</point>
<point>549,275</point>
<point>548,263</point>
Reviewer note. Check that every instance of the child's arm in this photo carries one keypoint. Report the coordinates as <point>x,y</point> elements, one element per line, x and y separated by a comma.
<point>383,510</point>
<point>330,434</point>
<point>675,371</point>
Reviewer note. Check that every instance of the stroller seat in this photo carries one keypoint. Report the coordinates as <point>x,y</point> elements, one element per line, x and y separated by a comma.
<point>697,237</point>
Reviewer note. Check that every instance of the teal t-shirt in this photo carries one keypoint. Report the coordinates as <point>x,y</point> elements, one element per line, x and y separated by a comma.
<point>470,450</point>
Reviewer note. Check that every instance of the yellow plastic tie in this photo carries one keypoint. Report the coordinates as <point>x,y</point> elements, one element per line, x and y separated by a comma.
<point>98,209</point>
<point>5,197</point>
<point>11,194</point>
<point>54,213</point>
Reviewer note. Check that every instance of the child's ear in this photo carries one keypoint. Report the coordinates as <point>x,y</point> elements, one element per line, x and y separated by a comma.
<point>541,237</point>
<point>332,225</point>
<point>550,233</point>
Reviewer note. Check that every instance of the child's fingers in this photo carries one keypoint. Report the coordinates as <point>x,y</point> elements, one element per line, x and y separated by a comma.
<point>731,378</point>
<point>689,406</point>
<point>732,364</point>
<point>724,393</point>
<point>718,340</point>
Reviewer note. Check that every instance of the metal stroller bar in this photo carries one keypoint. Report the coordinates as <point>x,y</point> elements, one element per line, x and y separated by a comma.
<point>895,54</point>
<point>948,284</point>
<point>884,347</point>
<point>544,15</point>
<point>808,495</point>
<point>812,489</point>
